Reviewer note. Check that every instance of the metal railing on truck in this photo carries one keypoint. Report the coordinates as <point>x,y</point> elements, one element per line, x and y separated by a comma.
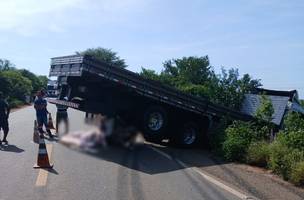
<point>76,65</point>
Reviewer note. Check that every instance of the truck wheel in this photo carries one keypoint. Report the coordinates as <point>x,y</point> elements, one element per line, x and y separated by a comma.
<point>155,122</point>
<point>188,135</point>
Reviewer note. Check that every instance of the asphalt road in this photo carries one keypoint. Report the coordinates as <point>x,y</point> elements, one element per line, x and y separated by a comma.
<point>113,173</point>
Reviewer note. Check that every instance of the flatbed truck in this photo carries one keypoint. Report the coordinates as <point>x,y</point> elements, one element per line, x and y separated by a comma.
<point>158,110</point>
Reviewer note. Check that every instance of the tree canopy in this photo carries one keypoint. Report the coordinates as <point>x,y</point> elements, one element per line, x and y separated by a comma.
<point>193,70</point>
<point>16,84</point>
<point>6,65</point>
<point>43,81</point>
<point>37,84</point>
<point>194,75</point>
<point>19,86</point>
<point>265,110</point>
<point>5,86</point>
<point>104,55</point>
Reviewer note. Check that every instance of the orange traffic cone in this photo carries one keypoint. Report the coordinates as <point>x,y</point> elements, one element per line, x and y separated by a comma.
<point>43,158</point>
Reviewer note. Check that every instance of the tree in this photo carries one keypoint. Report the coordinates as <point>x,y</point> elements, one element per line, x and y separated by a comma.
<point>302,102</point>
<point>36,83</point>
<point>193,70</point>
<point>265,110</point>
<point>16,84</point>
<point>149,74</point>
<point>19,86</point>
<point>43,81</point>
<point>188,74</point>
<point>293,122</point>
<point>202,91</point>
<point>104,55</point>
<point>6,65</point>
<point>195,76</point>
<point>239,135</point>
<point>230,90</point>
<point>247,84</point>
<point>5,86</point>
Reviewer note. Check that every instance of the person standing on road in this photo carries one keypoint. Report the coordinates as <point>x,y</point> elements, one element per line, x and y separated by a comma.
<point>62,115</point>
<point>4,114</point>
<point>40,106</point>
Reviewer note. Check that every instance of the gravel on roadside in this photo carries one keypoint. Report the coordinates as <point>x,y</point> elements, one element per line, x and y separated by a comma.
<point>255,181</point>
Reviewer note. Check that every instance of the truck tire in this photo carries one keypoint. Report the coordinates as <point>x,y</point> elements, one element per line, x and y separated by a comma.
<point>189,135</point>
<point>154,123</point>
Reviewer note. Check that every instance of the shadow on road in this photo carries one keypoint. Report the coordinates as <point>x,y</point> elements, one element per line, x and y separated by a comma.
<point>145,159</point>
<point>53,171</point>
<point>140,159</point>
<point>11,148</point>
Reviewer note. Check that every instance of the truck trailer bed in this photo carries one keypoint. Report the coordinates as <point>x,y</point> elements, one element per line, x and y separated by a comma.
<point>78,65</point>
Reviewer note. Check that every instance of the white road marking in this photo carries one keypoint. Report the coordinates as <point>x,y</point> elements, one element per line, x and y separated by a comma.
<point>162,153</point>
<point>207,177</point>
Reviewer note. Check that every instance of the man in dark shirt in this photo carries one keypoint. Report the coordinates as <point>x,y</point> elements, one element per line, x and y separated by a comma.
<point>62,116</point>
<point>4,114</point>
<point>40,105</point>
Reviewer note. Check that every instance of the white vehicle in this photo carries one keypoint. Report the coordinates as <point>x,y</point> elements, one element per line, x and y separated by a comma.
<point>52,88</point>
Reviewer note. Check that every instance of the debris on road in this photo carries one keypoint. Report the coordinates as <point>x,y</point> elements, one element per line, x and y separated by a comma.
<point>84,139</point>
<point>108,133</point>
<point>128,137</point>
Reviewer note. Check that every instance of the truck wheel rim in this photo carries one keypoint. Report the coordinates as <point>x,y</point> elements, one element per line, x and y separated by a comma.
<point>189,135</point>
<point>156,121</point>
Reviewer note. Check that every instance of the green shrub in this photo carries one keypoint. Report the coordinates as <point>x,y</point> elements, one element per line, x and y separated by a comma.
<point>297,174</point>
<point>234,148</point>
<point>258,153</point>
<point>276,159</point>
<point>262,130</point>
<point>238,137</point>
<point>265,110</point>
<point>293,122</point>
<point>20,86</point>
<point>295,139</point>
<point>14,103</point>
<point>292,139</point>
<point>282,159</point>
<point>218,136</point>
<point>292,159</point>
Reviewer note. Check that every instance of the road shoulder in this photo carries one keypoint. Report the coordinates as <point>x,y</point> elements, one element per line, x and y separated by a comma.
<point>20,108</point>
<point>252,180</point>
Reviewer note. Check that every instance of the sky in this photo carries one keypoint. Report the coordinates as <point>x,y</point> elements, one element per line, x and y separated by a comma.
<point>264,38</point>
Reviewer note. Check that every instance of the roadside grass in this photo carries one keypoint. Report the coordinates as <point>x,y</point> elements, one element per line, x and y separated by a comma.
<point>258,154</point>
<point>247,142</point>
<point>283,159</point>
<point>15,103</point>
<point>297,174</point>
